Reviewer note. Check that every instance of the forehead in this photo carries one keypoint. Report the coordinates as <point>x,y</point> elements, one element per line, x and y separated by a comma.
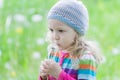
<point>57,24</point>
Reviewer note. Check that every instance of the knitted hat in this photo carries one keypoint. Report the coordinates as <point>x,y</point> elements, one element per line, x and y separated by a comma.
<point>71,12</point>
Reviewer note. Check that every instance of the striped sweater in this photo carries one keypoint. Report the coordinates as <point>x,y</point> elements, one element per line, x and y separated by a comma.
<point>75,68</point>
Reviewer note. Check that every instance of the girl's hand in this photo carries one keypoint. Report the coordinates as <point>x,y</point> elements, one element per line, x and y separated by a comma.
<point>42,74</point>
<point>50,67</point>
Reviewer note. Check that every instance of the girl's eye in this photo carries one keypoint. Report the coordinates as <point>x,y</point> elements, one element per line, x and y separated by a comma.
<point>51,30</point>
<point>61,31</point>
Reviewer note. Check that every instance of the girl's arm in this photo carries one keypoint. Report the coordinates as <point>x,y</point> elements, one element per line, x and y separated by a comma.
<point>86,71</point>
<point>64,76</point>
<point>87,67</point>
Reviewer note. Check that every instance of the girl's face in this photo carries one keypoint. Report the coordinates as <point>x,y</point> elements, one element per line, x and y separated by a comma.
<point>60,34</point>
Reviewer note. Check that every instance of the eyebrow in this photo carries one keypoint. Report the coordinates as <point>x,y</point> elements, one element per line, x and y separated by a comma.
<point>59,27</point>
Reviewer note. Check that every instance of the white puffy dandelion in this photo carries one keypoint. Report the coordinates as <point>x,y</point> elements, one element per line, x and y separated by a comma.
<point>36,18</point>
<point>1,3</point>
<point>36,55</point>
<point>20,18</point>
<point>115,51</point>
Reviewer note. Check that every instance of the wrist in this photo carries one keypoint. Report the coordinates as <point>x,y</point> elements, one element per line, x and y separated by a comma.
<point>43,77</point>
<point>57,75</point>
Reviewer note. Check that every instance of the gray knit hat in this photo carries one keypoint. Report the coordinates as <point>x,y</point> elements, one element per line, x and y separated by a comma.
<point>71,12</point>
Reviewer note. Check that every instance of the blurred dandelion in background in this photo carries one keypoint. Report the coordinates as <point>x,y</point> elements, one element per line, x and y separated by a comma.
<point>20,18</point>
<point>8,23</point>
<point>115,51</point>
<point>36,55</point>
<point>1,3</point>
<point>36,18</point>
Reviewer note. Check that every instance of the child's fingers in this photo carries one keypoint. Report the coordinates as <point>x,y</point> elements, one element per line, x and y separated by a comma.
<point>49,61</point>
<point>43,70</point>
<point>43,74</point>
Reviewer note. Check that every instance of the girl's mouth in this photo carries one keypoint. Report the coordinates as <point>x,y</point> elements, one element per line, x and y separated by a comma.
<point>58,45</point>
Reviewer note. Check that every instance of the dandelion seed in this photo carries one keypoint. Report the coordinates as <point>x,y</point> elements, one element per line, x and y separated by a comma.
<point>36,18</point>
<point>19,18</point>
<point>1,3</point>
<point>115,51</point>
<point>40,41</point>
<point>36,55</point>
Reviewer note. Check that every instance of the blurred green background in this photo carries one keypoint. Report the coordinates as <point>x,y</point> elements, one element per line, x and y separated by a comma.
<point>23,30</point>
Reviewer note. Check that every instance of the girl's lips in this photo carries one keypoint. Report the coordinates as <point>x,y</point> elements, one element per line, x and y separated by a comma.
<point>58,44</point>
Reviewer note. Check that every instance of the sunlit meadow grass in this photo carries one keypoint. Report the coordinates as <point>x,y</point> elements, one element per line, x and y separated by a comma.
<point>23,29</point>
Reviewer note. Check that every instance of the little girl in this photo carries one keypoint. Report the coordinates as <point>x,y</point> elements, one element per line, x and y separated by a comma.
<point>70,56</point>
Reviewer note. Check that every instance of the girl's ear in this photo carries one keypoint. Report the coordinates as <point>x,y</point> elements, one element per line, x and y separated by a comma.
<point>76,37</point>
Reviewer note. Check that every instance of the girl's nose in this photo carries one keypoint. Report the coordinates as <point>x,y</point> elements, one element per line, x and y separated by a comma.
<point>56,36</point>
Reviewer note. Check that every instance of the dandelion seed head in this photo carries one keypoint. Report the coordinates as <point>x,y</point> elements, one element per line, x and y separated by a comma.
<point>36,55</point>
<point>36,18</point>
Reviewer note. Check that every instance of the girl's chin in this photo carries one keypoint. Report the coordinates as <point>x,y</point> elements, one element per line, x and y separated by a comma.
<point>61,48</point>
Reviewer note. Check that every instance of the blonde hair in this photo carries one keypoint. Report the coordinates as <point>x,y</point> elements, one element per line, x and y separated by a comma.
<point>79,46</point>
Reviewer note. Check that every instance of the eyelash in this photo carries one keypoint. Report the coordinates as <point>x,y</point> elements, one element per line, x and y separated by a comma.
<point>58,30</point>
<point>51,30</point>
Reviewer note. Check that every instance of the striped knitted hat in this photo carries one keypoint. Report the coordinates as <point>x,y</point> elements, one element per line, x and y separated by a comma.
<point>71,12</point>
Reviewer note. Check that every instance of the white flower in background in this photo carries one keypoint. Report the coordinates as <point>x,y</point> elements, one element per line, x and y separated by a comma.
<point>36,55</point>
<point>8,23</point>
<point>19,18</point>
<point>36,18</point>
<point>1,3</point>
<point>0,52</point>
<point>40,41</point>
<point>115,51</point>
<point>8,66</point>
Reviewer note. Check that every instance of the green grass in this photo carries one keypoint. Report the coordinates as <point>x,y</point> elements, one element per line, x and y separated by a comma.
<point>18,40</point>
